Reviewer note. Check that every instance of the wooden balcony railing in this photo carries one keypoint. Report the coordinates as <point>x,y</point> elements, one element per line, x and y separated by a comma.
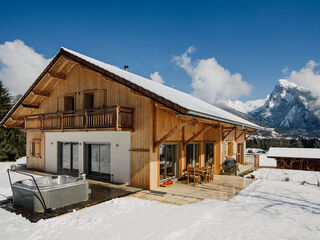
<point>113,118</point>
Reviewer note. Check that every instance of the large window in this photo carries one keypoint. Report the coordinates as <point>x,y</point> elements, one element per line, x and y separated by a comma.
<point>98,159</point>
<point>69,103</point>
<point>69,157</point>
<point>168,161</point>
<point>209,154</point>
<point>193,154</point>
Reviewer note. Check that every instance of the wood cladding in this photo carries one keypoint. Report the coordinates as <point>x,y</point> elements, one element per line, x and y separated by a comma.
<point>151,121</point>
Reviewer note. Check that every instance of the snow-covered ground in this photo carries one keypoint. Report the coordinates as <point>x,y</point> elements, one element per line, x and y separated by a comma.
<point>266,162</point>
<point>269,208</point>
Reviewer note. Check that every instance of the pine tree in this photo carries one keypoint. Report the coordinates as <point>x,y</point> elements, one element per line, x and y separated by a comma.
<point>12,140</point>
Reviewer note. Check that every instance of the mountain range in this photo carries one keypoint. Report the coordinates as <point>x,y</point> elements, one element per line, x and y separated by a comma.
<point>290,109</point>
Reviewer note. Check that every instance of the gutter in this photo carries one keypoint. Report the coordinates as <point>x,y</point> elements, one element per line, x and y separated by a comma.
<point>197,114</point>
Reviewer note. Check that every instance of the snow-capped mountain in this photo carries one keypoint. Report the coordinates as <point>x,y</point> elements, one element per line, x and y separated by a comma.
<point>244,107</point>
<point>288,107</point>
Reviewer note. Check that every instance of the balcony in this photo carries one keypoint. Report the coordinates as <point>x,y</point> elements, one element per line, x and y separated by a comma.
<point>116,118</point>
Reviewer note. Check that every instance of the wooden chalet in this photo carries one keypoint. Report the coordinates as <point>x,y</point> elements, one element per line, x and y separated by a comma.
<point>84,116</point>
<point>296,158</point>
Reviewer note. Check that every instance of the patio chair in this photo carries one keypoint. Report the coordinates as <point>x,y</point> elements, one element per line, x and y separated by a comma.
<point>193,174</point>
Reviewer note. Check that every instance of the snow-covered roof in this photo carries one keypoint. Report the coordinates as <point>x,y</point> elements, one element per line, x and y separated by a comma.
<point>294,152</point>
<point>193,105</point>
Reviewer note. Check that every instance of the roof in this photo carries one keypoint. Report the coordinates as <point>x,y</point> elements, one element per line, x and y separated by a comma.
<point>313,153</point>
<point>170,97</point>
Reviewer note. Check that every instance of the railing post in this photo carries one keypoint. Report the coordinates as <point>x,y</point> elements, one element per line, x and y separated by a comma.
<point>61,121</point>
<point>117,117</point>
<point>42,121</point>
<point>86,117</point>
<point>25,122</point>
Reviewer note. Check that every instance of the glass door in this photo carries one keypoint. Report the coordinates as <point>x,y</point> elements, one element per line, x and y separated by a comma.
<point>98,159</point>
<point>69,157</point>
<point>193,154</point>
<point>168,161</point>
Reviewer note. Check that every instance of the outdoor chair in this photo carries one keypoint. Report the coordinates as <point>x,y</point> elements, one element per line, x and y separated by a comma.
<point>193,174</point>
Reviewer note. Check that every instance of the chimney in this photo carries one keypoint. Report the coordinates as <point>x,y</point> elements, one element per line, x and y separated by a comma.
<point>126,67</point>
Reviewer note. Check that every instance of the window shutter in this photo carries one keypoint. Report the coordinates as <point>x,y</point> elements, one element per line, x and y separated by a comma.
<point>100,98</point>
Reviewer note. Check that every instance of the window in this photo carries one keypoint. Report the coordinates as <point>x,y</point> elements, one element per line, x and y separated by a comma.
<point>193,154</point>
<point>69,103</point>
<point>36,148</point>
<point>230,149</point>
<point>209,153</point>
<point>89,100</point>
<point>69,157</point>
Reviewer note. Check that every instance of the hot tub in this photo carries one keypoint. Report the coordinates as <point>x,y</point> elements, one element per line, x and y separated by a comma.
<point>56,191</point>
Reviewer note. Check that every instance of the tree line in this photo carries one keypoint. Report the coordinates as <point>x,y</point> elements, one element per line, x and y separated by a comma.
<point>12,140</point>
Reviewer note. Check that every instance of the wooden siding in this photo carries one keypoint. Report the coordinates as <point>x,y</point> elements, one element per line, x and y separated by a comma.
<point>35,162</point>
<point>152,121</point>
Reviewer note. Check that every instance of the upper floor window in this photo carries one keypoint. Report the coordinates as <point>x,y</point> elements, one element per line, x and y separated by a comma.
<point>69,104</point>
<point>89,100</point>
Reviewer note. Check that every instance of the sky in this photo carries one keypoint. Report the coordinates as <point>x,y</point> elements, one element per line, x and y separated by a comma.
<point>212,49</point>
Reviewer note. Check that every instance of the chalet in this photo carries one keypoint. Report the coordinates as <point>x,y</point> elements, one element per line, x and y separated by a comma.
<point>83,115</point>
<point>296,158</point>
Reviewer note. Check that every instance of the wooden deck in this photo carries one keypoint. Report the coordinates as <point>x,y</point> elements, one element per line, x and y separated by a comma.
<point>221,188</point>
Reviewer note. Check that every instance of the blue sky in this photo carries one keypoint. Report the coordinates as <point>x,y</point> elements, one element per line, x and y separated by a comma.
<point>254,38</point>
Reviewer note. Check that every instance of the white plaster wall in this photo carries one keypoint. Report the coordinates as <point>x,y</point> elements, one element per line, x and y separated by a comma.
<point>120,145</point>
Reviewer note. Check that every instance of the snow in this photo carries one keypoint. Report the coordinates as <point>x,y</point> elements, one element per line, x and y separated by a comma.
<point>264,161</point>
<point>294,152</point>
<point>5,190</point>
<point>245,107</point>
<point>194,105</point>
<point>270,208</point>
<point>287,84</point>
<point>293,176</point>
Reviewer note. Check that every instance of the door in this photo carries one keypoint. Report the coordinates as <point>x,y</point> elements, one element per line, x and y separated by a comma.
<point>98,159</point>
<point>69,157</point>
<point>193,154</point>
<point>168,161</point>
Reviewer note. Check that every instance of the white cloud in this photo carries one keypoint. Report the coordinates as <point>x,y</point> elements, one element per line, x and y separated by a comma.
<point>210,81</point>
<point>156,77</point>
<point>20,66</point>
<point>307,78</point>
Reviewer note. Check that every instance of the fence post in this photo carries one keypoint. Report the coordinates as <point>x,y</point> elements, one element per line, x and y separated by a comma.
<point>256,160</point>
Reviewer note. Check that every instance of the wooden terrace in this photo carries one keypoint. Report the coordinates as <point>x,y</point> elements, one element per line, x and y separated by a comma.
<point>113,118</point>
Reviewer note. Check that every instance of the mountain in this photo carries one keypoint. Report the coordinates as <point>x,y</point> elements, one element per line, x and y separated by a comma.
<point>289,108</point>
<point>244,107</point>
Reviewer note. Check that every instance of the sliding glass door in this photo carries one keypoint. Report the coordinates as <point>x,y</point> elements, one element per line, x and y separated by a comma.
<point>68,157</point>
<point>168,161</point>
<point>98,159</point>
<point>193,155</point>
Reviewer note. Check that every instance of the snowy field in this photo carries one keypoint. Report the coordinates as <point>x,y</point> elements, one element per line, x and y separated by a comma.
<point>270,208</point>
<point>266,162</point>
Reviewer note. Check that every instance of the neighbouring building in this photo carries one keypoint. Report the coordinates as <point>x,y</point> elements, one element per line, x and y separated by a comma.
<point>83,115</point>
<point>296,158</point>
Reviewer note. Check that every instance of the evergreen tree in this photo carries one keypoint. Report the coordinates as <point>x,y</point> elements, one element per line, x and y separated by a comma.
<point>12,140</point>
